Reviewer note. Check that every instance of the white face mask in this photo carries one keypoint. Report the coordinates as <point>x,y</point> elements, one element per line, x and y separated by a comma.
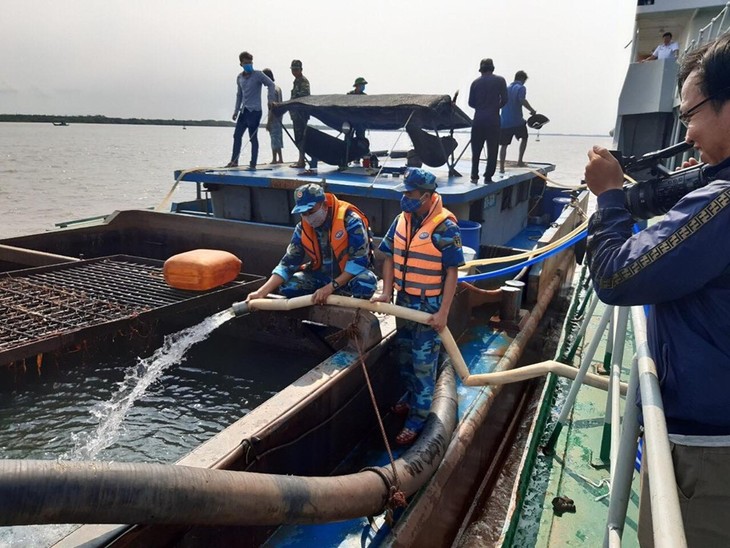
<point>317,218</point>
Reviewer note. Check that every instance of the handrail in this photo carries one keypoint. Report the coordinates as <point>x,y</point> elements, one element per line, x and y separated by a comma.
<point>666,515</point>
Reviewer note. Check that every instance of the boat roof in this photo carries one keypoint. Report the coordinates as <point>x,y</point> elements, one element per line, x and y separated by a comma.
<point>383,112</point>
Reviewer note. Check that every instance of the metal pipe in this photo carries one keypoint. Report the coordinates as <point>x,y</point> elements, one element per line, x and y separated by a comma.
<point>613,395</point>
<point>575,386</point>
<point>618,501</point>
<point>21,255</point>
<point>666,515</point>
<point>34,492</point>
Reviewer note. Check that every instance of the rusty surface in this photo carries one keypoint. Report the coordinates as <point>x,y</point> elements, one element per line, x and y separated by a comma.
<point>47,308</point>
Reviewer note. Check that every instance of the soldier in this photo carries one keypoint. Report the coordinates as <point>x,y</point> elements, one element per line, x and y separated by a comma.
<point>330,251</point>
<point>299,122</point>
<point>422,254</point>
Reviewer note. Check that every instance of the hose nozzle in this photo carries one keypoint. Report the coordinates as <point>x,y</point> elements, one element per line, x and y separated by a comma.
<point>240,308</point>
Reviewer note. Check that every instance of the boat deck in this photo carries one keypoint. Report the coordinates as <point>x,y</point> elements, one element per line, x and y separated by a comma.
<point>576,470</point>
<point>366,182</point>
<point>481,347</point>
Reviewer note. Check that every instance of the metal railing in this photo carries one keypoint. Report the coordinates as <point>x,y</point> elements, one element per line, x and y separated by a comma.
<point>668,529</point>
<point>714,29</point>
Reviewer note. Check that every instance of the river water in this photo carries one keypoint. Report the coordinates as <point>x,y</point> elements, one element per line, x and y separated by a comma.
<point>51,174</point>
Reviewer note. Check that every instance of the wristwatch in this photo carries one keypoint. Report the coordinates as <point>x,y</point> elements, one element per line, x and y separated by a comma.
<point>335,284</point>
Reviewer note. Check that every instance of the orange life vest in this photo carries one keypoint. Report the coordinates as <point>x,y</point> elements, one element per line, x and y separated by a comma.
<point>418,268</point>
<point>339,239</point>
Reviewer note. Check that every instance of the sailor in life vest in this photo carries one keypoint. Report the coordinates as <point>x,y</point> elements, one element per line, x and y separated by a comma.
<point>422,254</point>
<point>330,251</point>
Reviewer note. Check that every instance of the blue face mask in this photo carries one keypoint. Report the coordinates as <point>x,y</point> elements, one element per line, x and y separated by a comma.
<point>409,205</point>
<point>248,67</point>
<point>362,89</point>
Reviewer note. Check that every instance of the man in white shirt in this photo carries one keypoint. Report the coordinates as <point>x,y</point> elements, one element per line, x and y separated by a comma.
<point>666,50</point>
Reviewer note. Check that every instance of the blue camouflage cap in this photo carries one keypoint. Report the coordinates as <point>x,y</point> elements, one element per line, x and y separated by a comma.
<point>307,196</point>
<point>417,179</point>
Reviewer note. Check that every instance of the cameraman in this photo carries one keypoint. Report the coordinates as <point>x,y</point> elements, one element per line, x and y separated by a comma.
<point>681,266</point>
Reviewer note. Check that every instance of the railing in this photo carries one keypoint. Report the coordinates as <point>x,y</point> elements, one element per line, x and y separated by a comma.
<point>666,515</point>
<point>711,30</point>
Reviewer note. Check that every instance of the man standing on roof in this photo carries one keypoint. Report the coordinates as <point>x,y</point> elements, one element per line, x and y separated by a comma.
<point>359,86</point>
<point>359,89</point>
<point>330,251</point>
<point>247,113</point>
<point>299,121</point>
<point>512,122</point>
<point>487,95</point>
<point>688,324</point>
<point>668,49</point>
<point>422,254</point>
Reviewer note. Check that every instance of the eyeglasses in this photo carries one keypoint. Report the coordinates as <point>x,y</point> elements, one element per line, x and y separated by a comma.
<point>687,116</point>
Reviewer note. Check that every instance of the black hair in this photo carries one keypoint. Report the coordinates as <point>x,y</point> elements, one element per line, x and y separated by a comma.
<point>667,34</point>
<point>244,55</point>
<point>268,73</point>
<point>711,64</point>
<point>521,75</point>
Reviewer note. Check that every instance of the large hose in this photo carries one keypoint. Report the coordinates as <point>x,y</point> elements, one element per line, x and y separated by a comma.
<point>35,492</point>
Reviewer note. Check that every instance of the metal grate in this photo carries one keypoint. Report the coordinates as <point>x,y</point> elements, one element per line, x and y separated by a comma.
<point>47,308</point>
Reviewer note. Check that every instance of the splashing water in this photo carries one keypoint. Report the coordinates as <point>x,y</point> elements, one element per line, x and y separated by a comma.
<point>111,415</point>
<point>137,380</point>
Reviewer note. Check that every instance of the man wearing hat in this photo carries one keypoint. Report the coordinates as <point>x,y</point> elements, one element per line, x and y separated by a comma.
<point>512,122</point>
<point>359,86</point>
<point>330,251</point>
<point>422,255</point>
<point>299,122</point>
<point>487,95</point>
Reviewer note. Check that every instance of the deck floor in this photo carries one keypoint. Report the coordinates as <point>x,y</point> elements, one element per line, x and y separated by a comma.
<point>576,470</point>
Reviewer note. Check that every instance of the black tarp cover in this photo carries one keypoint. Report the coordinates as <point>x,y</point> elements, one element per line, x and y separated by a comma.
<point>383,112</point>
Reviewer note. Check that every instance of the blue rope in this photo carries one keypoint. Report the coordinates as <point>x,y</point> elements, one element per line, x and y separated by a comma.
<point>529,262</point>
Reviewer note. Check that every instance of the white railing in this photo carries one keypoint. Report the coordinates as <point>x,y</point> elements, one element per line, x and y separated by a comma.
<point>718,25</point>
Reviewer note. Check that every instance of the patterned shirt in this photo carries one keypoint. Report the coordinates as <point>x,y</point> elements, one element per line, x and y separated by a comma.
<point>301,88</point>
<point>358,249</point>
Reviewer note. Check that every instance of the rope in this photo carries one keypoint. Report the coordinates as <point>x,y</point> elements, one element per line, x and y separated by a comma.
<point>377,175</point>
<point>396,497</point>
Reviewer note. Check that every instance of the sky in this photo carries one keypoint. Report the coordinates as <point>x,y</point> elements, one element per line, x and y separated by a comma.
<point>179,59</point>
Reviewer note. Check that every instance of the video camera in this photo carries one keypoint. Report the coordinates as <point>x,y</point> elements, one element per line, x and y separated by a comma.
<point>659,194</point>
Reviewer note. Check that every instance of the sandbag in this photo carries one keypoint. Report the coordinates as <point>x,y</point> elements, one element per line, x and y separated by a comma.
<point>201,269</point>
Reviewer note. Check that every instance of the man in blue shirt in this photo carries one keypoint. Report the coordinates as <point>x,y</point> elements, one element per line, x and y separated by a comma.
<point>487,95</point>
<point>680,267</point>
<point>513,124</point>
<point>247,113</point>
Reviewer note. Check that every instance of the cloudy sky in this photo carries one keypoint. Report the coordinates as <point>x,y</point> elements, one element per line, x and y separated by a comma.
<point>179,59</point>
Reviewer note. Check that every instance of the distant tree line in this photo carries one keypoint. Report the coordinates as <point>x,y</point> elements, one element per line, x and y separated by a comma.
<point>99,119</point>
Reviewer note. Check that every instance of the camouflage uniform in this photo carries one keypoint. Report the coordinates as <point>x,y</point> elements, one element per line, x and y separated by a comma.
<point>299,122</point>
<point>418,345</point>
<point>298,282</point>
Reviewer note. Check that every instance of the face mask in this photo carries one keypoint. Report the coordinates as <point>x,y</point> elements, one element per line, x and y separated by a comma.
<point>317,218</point>
<point>409,205</point>
<point>362,89</point>
<point>248,67</point>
